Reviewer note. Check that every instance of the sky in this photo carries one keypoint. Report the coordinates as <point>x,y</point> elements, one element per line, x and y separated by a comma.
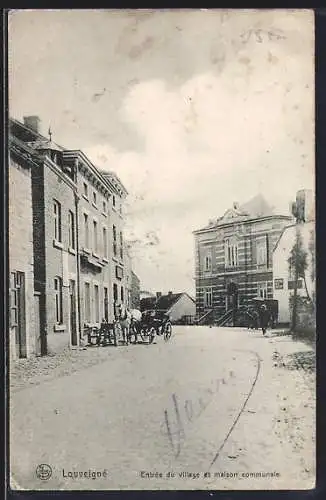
<point>193,109</point>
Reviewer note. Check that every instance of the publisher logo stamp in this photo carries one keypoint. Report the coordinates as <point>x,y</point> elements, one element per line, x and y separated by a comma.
<point>43,472</point>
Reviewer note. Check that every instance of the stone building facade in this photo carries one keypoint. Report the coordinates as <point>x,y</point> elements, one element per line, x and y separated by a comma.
<point>77,238</point>
<point>234,258</point>
<point>22,341</point>
<point>100,227</point>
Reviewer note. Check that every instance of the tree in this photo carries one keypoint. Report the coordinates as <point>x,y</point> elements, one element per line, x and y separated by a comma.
<point>298,264</point>
<point>312,250</point>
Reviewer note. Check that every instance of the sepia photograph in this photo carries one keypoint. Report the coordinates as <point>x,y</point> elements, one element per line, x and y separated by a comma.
<point>161,233</point>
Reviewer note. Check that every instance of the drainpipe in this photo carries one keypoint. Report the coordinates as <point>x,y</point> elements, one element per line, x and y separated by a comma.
<point>78,258</point>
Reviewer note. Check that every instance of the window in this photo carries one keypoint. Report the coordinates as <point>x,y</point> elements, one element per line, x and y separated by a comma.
<point>96,304</point>
<point>104,206</point>
<point>208,261</point>
<point>95,240</point>
<point>58,299</point>
<point>121,246</point>
<point>262,290</point>
<point>105,243</point>
<point>57,220</point>
<point>13,300</point>
<point>292,282</point>
<point>278,284</point>
<point>86,231</point>
<point>85,190</point>
<point>71,224</point>
<point>87,304</point>
<point>122,294</point>
<point>208,297</point>
<point>115,292</point>
<point>113,200</point>
<point>261,252</point>
<point>106,304</point>
<point>114,229</point>
<point>120,209</point>
<point>94,198</point>
<point>231,252</point>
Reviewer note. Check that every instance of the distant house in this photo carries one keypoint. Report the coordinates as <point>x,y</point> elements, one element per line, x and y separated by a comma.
<point>144,294</point>
<point>180,306</point>
<point>283,276</point>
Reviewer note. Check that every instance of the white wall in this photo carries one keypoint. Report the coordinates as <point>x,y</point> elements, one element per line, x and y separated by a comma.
<point>281,268</point>
<point>184,306</point>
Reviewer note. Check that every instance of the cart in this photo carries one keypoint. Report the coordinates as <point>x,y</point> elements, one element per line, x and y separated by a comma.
<point>153,323</point>
<point>104,335</point>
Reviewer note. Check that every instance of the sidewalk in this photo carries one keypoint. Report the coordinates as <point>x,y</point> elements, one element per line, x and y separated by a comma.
<point>34,371</point>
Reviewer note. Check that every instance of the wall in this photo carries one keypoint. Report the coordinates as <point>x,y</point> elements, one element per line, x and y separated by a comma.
<point>184,307</point>
<point>21,243</point>
<point>105,217</point>
<point>281,268</point>
<point>60,261</point>
<point>135,291</point>
<point>306,317</point>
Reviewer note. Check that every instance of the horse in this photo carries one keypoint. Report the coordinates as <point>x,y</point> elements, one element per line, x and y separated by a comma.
<point>127,318</point>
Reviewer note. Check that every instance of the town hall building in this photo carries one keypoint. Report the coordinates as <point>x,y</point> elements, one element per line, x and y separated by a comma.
<point>234,257</point>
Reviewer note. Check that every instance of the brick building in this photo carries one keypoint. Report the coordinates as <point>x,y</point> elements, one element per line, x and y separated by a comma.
<point>77,238</point>
<point>54,239</point>
<point>234,258</point>
<point>23,338</point>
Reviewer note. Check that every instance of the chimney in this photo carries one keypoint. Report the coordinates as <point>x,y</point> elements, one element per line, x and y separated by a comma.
<point>235,205</point>
<point>32,122</point>
<point>158,295</point>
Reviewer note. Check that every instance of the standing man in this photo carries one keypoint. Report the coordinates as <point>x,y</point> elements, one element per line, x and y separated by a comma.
<point>264,318</point>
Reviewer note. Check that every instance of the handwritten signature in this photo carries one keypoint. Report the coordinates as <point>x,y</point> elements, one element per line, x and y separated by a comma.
<point>187,412</point>
<point>175,429</point>
<point>260,35</point>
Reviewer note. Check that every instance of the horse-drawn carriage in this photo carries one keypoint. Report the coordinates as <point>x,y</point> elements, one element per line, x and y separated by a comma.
<point>153,322</point>
<point>128,326</point>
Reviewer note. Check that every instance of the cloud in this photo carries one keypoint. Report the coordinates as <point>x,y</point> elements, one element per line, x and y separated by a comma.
<point>212,140</point>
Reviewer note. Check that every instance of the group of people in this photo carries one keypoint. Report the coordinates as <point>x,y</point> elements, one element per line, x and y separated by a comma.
<point>258,319</point>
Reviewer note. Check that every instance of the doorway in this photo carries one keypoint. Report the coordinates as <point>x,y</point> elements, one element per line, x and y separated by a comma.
<point>72,311</point>
<point>18,312</point>
<point>106,304</point>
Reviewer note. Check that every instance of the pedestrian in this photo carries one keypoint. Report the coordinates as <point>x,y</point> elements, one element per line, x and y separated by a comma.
<point>255,322</point>
<point>264,318</point>
<point>249,318</point>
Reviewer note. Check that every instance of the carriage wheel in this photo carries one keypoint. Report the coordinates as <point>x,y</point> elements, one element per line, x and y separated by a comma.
<point>151,335</point>
<point>167,331</point>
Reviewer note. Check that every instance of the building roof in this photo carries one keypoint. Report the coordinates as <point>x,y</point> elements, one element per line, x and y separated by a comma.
<point>45,145</point>
<point>257,207</point>
<point>163,302</point>
<point>37,141</point>
<point>305,226</point>
<point>147,303</point>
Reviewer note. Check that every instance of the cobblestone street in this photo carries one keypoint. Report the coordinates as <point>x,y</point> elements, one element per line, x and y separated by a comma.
<point>209,409</point>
